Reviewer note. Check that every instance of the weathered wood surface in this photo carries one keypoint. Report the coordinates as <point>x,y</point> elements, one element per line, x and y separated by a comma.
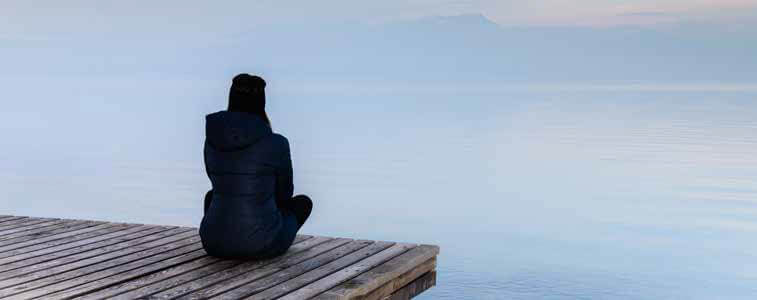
<point>60,226</point>
<point>220,276</point>
<point>422,283</point>
<point>170,277</point>
<point>45,258</point>
<point>388,277</point>
<point>33,224</point>
<point>29,236</point>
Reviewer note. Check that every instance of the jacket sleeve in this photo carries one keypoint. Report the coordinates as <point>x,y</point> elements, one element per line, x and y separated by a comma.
<point>284,185</point>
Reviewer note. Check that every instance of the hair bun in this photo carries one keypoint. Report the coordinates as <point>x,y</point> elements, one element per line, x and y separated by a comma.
<point>246,83</point>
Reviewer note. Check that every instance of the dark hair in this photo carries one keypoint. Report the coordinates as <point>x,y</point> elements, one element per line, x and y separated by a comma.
<point>247,94</point>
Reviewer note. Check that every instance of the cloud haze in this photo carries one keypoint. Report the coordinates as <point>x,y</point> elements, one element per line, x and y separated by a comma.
<point>404,40</point>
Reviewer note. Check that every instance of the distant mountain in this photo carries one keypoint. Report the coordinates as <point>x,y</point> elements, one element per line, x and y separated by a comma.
<point>473,48</point>
<point>450,48</point>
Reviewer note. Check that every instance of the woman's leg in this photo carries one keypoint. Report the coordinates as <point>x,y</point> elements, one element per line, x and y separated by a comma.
<point>285,237</point>
<point>294,213</point>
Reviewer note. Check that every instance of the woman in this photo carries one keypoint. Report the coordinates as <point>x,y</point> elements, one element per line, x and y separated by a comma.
<point>250,212</point>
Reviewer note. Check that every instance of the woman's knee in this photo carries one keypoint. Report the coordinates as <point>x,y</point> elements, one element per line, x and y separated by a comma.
<point>301,206</point>
<point>302,198</point>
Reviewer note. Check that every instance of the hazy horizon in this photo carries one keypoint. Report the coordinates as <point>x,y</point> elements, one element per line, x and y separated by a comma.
<point>467,41</point>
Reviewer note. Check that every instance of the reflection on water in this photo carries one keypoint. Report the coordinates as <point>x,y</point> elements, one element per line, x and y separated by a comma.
<point>568,193</point>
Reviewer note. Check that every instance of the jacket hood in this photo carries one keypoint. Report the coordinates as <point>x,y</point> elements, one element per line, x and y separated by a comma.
<point>230,130</point>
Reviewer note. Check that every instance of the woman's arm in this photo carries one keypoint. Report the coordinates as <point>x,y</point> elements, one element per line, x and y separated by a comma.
<point>208,199</point>
<point>284,184</point>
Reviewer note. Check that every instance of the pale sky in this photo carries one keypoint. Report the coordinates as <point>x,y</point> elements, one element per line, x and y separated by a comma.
<point>29,19</point>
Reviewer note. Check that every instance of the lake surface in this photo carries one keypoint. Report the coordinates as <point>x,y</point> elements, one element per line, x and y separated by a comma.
<point>607,191</point>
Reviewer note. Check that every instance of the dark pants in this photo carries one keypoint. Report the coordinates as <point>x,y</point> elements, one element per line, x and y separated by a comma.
<point>294,213</point>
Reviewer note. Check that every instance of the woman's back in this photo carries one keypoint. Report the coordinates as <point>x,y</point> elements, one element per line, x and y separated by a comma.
<point>242,160</point>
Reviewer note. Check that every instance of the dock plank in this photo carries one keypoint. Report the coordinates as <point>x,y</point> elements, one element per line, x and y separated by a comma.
<point>35,232</point>
<point>58,283</point>
<point>284,274</point>
<point>345,274</point>
<point>59,239</point>
<point>168,278</point>
<point>155,266</point>
<point>255,274</point>
<point>266,270</point>
<point>13,221</point>
<point>414,288</point>
<point>99,263</point>
<point>390,288</point>
<point>22,223</point>
<point>21,231</point>
<point>291,285</point>
<point>228,273</point>
<point>69,226</point>
<point>128,243</point>
<point>84,239</point>
<point>154,282</point>
<point>9,218</point>
<point>372,280</point>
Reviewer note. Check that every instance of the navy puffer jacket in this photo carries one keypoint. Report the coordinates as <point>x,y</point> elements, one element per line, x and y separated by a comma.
<point>250,170</point>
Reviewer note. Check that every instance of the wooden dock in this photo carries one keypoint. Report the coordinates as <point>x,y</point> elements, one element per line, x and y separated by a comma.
<point>44,258</point>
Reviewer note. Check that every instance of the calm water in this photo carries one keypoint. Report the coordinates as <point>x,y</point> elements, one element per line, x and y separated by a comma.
<point>621,191</point>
